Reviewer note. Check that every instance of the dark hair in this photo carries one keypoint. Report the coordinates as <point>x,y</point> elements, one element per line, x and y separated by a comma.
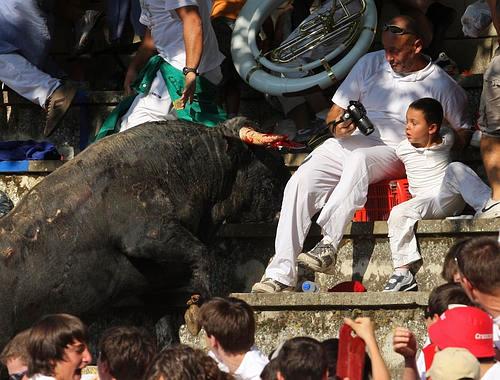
<point>450,267</point>
<point>16,348</point>
<point>478,261</point>
<point>431,108</point>
<point>181,362</point>
<point>411,25</point>
<point>445,295</point>
<point>302,358</point>
<point>128,351</point>
<point>269,371</point>
<point>49,337</point>
<point>231,321</point>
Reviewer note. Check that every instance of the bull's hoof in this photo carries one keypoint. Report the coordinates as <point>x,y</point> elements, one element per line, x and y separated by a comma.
<point>192,315</point>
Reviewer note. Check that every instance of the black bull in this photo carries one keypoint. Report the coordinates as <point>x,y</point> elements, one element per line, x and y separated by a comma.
<point>131,214</point>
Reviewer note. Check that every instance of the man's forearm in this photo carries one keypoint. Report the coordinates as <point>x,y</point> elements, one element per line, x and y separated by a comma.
<point>192,33</point>
<point>145,51</point>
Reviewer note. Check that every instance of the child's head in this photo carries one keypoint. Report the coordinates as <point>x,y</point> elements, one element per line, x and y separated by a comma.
<point>441,298</point>
<point>423,120</point>
<point>229,324</point>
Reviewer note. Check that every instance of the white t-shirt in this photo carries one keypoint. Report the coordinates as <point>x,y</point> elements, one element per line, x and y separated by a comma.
<point>167,32</point>
<point>386,95</point>
<point>493,373</point>
<point>425,167</point>
<point>250,368</point>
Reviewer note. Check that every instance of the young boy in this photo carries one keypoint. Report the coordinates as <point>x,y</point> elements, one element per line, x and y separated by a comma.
<point>230,327</point>
<point>439,188</point>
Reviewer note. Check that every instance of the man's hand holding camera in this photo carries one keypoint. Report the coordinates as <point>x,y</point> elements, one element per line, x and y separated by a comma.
<point>342,123</point>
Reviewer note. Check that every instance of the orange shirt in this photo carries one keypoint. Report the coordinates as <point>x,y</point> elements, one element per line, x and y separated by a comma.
<point>227,8</point>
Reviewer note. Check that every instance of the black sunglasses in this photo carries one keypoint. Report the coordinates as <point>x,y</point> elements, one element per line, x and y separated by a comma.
<point>17,376</point>
<point>394,29</point>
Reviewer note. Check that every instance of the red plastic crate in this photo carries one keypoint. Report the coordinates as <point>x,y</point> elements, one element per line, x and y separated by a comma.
<point>382,197</point>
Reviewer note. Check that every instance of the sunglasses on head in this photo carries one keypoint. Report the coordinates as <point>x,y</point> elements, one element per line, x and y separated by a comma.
<point>17,376</point>
<point>394,29</point>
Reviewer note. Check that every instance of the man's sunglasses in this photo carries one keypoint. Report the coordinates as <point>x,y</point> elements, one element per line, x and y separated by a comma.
<point>394,29</point>
<point>17,376</point>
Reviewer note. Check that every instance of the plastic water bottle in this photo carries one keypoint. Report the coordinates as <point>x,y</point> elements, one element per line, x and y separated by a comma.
<point>310,287</point>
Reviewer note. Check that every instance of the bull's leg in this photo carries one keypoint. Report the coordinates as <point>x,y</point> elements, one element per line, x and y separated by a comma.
<point>172,248</point>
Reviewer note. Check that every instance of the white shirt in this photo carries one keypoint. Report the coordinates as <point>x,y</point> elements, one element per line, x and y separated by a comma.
<point>493,373</point>
<point>251,366</point>
<point>386,95</point>
<point>425,167</point>
<point>167,32</point>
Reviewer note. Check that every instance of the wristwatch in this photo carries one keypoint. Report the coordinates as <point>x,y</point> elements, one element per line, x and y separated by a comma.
<point>187,70</point>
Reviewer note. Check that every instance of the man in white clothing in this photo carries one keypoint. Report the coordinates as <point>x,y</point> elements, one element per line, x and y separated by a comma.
<point>335,177</point>
<point>181,33</point>
<point>230,327</point>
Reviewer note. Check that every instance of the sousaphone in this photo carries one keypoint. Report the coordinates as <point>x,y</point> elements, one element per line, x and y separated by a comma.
<point>316,55</point>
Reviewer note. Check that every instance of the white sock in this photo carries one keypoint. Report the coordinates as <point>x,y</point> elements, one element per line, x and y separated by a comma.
<point>401,271</point>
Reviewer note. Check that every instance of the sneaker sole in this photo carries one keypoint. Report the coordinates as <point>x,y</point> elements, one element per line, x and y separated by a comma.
<point>64,109</point>
<point>256,289</point>
<point>310,263</point>
<point>405,288</point>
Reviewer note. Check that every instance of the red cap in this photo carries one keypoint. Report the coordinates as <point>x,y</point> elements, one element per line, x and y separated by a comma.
<point>465,327</point>
<point>348,286</point>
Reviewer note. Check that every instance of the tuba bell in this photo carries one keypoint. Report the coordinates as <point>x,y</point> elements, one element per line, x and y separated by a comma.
<point>316,55</point>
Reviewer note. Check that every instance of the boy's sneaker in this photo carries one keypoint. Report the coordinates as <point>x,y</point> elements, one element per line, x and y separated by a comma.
<point>490,210</point>
<point>268,285</point>
<point>401,283</point>
<point>320,259</point>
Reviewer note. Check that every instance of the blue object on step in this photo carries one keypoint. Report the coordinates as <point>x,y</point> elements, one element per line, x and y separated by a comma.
<point>14,166</point>
<point>28,150</point>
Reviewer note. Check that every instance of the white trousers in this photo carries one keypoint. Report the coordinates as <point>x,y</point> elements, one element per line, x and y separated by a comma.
<point>157,105</point>
<point>460,184</point>
<point>26,79</point>
<point>334,178</point>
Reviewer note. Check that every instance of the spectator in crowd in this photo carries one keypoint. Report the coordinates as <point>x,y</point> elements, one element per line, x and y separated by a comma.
<point>270,370</point>
<point>24,44</point>
<point>230,327</point>
<point>441,299</point>
<point>14,356</point>
<point>182,362</point>
<point>57,348</point>
<point>125,353</point>
<point>363,327</point>
<point>489,122</point>
<point>470,328</point>
<point>450,271</point>
<point>454,364</point>
<point>478,263</point>
<point>302,358</point>
<point>335,177</point>
<point>439,188</point>
<point>181,81</point>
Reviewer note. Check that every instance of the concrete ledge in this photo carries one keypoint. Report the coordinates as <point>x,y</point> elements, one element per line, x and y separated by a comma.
<point>309,301</point>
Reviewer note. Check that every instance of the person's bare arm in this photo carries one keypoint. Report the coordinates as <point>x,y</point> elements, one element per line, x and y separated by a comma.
<point>405,344</point>
<point>495,14</point>
<point>192,27</point>
<point>363,327</point>
<point>146,50</point>
<point>340,130</point>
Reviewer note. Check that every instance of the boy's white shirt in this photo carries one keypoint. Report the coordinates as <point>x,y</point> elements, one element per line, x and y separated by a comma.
<point>425,167</point>
<point>250,368</point>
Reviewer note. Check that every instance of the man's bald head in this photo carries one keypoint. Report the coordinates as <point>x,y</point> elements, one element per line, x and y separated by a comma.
<point>403,45</point>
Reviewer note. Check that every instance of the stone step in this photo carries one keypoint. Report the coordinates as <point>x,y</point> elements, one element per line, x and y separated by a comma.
<point>243,251</point>
<point>320,315</point>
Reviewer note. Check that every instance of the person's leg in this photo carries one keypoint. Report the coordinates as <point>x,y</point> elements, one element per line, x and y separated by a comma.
<point>155,106</point>
<point>489,123</point>
<point>26,79</point>
<point>305,194</point>
<point>461,180</point>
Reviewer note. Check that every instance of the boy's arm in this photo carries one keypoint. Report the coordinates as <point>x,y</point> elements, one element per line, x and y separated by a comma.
<point>405,344</point>
<point>363,327</point>
<point>146,50</point>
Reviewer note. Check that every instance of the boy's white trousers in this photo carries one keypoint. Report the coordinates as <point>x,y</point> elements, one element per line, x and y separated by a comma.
<point>460,185</point>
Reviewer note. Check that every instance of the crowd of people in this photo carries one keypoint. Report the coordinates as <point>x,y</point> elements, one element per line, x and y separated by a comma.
<point>462,319</point>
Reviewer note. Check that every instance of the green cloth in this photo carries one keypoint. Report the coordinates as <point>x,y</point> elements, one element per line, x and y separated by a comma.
<point>202,110</point>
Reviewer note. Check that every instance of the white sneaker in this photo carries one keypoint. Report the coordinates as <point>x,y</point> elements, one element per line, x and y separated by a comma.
<point>401,283</point>
<point>490,210</point>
